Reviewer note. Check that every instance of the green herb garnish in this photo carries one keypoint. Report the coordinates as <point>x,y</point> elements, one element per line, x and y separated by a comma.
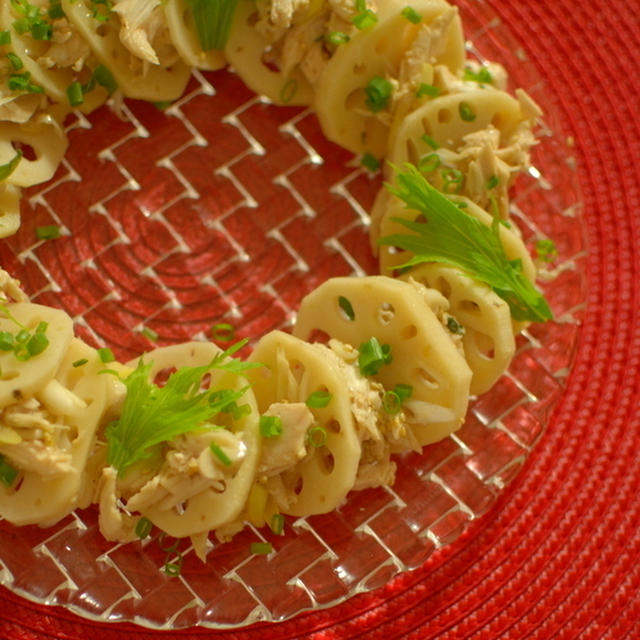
<point>411,15</point>
<point>466,112</point>
<point>482,76</point>
<point>213,20</point>
<point>317,437</point>
<point>318,400</point>
<point>8,473</point>
<point>152,415</point>
<point>369,161</point>
<point>346,307</point>
<point>427,90</point>
<point>546,250</point>
<point>337,37</point>
<point>261,548</point>
<point>452,236</point>
<point>270,426</point>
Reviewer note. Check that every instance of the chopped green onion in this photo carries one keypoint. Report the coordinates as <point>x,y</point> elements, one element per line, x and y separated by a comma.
<point>213,19</point>
<point>7,341</point>
<point>75,94</point>
<point>337,37</point>
<point>42,327</point>
<point>22,82</point>
<point>143,527</point>
<point>429,163</point>
<point>372,356</point>
<point>466,112</point>
<point>261,548</point>
<point>365,19</point>
<point>41,31</point>
<point>453,180</point>
<point>223,332</point>
<point>378,92</point>
<point>427,90</point>
<point>347,308</point>
<point>288,91</point>
<point>102,76</point>
<point>22,336</point>
<point>5,38</point>
<point>493,182</point>
<point>319,400</point>
<point>454,326</point>
<point>411,15</point>
<point>482,76</point>
<point>277,523</point>
<point>37,344</point>
<point>546,250</point>
<point>403,391</point>
<point>32,21</point>
<point>79,363</point>
<point>102,10</point>
<point>8,473</point>
<point>106,355</point>
<point>317,436</point>
<point>15,61</point>
<point>48,232</point>
<point>162,105</point>
<point>270,426</point>
<point>220,454</point>
<point>7,169</point>
<point>174,569</point>
<point>55,11</point>
<point>150,334</point>
<point>370,162</point>
<point>391,402</point>
<point>430,141</point>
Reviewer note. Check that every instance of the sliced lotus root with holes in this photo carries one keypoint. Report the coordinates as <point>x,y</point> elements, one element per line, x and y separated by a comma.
<point>43,144</point>
<point>488,339</point>
<point>33,54</point>
<point>184,36</point>
<point>423,353</point>
<point>294,370</point>
<point>247,51</point>
<point>447,119</point>
<point>21,379</point>
<point>44,499</point>
<point>341,100</point>
<point>155,83</point>
<point>212,507</point>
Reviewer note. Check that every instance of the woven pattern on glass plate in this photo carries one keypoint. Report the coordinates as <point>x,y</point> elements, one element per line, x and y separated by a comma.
<point>225,208</point>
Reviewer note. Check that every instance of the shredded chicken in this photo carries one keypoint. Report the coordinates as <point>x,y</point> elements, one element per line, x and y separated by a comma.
<point>67,48</point>
<point>10,289</point>
<point>115,524</point>
<point>286,450</point>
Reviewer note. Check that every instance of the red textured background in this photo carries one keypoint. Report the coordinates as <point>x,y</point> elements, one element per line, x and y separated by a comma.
<point>559,555</point>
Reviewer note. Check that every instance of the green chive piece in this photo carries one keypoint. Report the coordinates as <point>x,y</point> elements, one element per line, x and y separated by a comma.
<point>372,356</point>
<point>8,473</point>
<point>337,37</point>
<point>454,326</point>
<point>482,76</point>
<point>7,169</point>
<point>369,161</point>
<point>150,334</point>
<point>106,355</point>
<point>261,548</point>
<point>220,454</point>
<point>391,402</point>
<point>288,91</point>
<point>429,163</point>
<point>48,232</point>
<point>453,180</point>
<point>22,336</point>
<point>411,15</point>
<point>143,528</point>
<point>15,61</point>
<point>213,20</point>
<point>174,569</point>
<point>430,141</point>
<point>75,94</point>
<point>55,11</point>
<point>427,90</point>
<point>347,308</point>
<point>403,391</point>
<point>5,38</point>
<point>492,182</point>
<point>378,92</point>
<point>277,523</point>
<point>546,250</point>
<point>317,437</point>
<point>37,344</point>
<point>319,400</point>
<point>79,363</point>
<point>466,112</point>
<point>223,332</point>
<point>364,20</point>
<point>270,426</point>
<point>162,105</point>
<point>104,78</point>
<point>7,341</point>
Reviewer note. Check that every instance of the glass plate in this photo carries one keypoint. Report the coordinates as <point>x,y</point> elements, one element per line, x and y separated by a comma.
<point>225,208</point>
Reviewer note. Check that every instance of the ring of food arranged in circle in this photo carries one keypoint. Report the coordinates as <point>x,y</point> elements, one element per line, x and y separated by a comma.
<point>192,439</point>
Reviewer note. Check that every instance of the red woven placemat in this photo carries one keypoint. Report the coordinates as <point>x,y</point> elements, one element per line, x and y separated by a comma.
<point>558,556</point>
